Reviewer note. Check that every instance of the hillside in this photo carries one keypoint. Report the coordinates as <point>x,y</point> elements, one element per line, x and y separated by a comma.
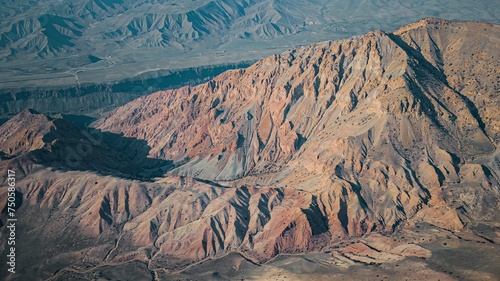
<point>341,159</point>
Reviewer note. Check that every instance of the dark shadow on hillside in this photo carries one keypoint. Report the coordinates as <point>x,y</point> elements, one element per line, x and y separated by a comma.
<point>81,121</point>
<point>137,151</point>
<point>103,152</point>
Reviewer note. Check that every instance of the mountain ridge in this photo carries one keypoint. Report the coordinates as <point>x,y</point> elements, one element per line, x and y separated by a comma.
<point>368,140</point>
<point>212,86</point>
<point>57,37</point>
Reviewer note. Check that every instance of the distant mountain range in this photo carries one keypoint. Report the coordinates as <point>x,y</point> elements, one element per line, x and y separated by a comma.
<point>352,157</point>
<point>92,35</point>
<point>90,56</point>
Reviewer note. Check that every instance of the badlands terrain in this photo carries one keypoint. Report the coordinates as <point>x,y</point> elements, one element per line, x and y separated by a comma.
<point>369,158</point>
<point>87,56</point>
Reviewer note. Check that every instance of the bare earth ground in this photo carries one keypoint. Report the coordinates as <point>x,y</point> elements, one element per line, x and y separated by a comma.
<point>442,256</point>
<point>377,155</point>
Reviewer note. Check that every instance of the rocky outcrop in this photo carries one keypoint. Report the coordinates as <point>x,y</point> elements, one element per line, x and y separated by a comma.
<point>31,139</point>
<point>299,151</point>
<point>378,130</point>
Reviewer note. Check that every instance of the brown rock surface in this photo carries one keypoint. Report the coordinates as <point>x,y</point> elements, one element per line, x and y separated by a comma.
<point>376,127</point>
<point>360,137</point>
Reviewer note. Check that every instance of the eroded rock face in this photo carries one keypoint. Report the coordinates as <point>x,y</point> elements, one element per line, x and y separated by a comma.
<point>386,118</point>
<point>318,144</point>
<point>251,121</point>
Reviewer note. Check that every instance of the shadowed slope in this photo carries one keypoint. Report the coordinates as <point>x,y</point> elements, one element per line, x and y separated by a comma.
<point>296,153</point>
